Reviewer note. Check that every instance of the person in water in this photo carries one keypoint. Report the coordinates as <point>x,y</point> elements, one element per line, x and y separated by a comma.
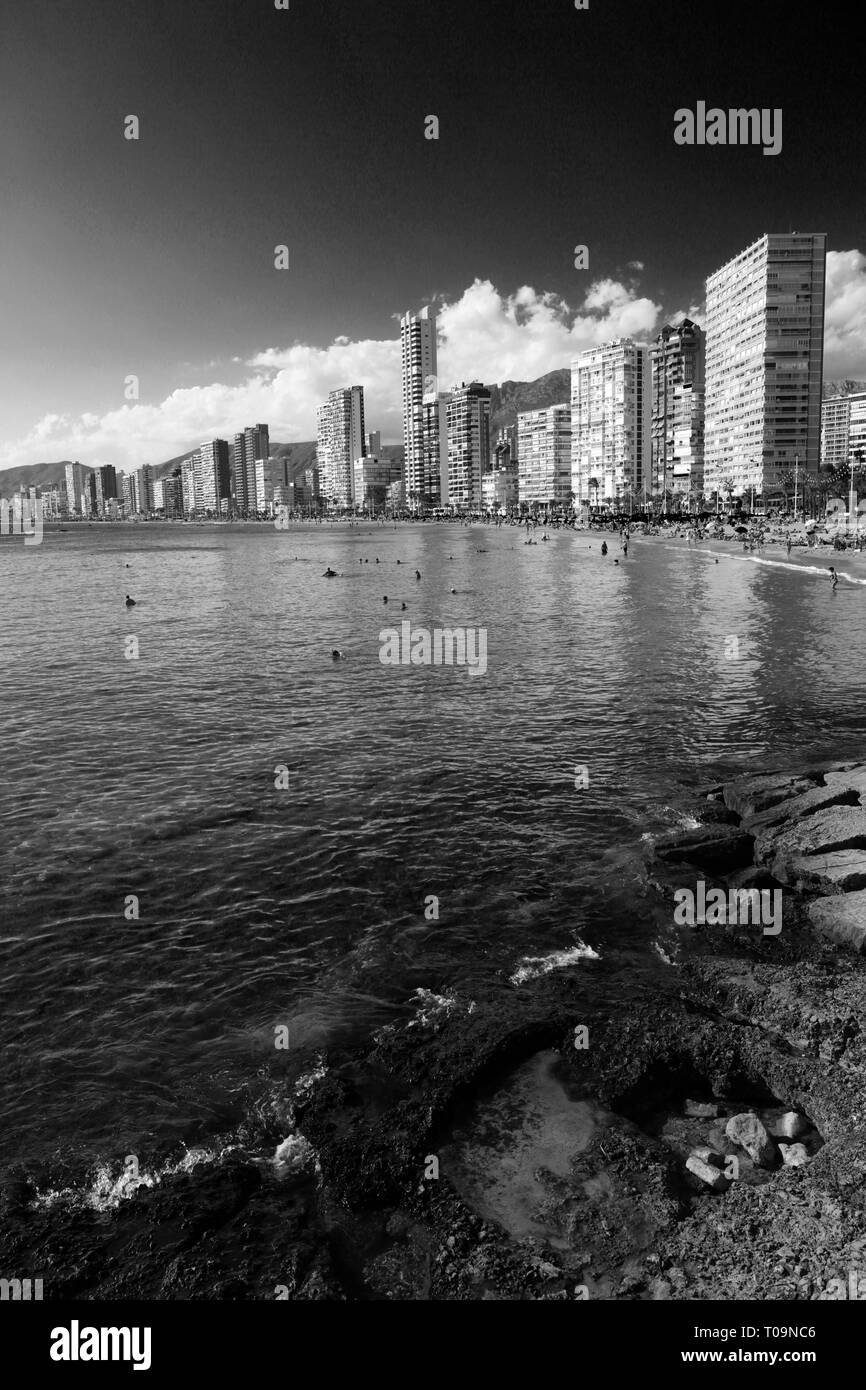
<point>329,573</point>
<point>604,547</point>
<point>130,602</point>
<point>835,577</point>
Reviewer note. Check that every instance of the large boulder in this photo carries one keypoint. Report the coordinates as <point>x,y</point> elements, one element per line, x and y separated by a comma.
<point>843,871</point>
<point>816,799</point>
<point>791,1125</point>
<point>841,918</point>
<point>834,828</point>
<point>853,778</point>
<point>747,1130</point>
<point>750,795</point>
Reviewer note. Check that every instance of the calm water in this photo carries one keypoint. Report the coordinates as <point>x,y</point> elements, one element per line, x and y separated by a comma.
<point>305,907</point>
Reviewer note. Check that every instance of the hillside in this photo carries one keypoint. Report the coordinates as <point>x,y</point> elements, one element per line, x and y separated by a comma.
<point>507,400</point>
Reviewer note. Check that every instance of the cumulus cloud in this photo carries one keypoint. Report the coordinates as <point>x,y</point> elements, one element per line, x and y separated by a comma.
<point>845,316</point>
<point>483,335</point>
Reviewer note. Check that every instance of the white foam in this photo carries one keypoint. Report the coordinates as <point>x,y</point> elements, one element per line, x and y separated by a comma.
<point>533,966</point>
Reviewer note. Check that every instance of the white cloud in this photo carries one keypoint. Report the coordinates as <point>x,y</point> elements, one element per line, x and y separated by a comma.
<point>483,335</point>
<point>845,316</point>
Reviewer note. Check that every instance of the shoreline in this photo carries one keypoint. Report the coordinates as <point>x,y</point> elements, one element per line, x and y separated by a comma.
<point>585,1192</point>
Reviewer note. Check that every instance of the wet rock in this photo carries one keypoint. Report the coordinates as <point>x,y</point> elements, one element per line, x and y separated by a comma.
<point>841,918</point>
<point>708,1155</point>
<point>793,1155</point>
<point>835,828</point>
<point>851,778</point>
<point>751,795</point>
<point>715,848</point>
<point>707,1173</point>
<point>748,1131</point>
<point>842,871</point>
<point>799,807</point>
<point>788,1126</point>
<point>702,1109</point>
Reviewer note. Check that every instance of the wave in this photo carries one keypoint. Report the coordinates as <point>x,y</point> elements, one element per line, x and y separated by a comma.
<point>533,966</point>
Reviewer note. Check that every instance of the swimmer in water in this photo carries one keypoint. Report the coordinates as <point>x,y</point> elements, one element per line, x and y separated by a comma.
<point>604,547</point>
<point>329,573</point>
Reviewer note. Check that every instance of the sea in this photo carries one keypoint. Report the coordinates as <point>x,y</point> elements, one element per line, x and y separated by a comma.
<point>224,851</point>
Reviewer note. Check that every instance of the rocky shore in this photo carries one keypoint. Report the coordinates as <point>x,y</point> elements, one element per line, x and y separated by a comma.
<point>700,1135</point>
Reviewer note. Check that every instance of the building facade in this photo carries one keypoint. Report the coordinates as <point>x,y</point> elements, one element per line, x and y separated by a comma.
<point>544,456</point>
<point>212,477</point>
<point>432,478</point>
<point>419,379</point>
<point>610,425</point>
<point>843,429</point>
<point>341,440</point>
<point>677,374</point>
<point>764,364</point>
<point>75,504</point>
<point>468,426</point>
<point>250,446</point>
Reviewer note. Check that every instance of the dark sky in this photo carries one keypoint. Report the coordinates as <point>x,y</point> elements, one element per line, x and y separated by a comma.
<point>305,127</point>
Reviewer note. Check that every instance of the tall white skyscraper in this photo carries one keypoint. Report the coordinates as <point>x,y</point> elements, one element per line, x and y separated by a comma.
<point>610,424</point>
<point>211,476</point>
<point>340,442</point>
<point>764,363</point>
<point>544,454</point>
<point>418,348</point>
<point>843,429</point>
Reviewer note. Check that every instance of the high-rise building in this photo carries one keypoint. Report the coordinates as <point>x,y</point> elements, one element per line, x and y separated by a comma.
<point>843,429</point>
<point>544,450</point>
<point>108,474</point>
<point>677,363</point>
<point>432,477</point>
<point>419,379</point>
<point>172,496</point>
<point>212,476</point>
<point>340,442</point>
<point>74,489</point>
<point>468,425</point>
<point>94,493</point>
<point>764,363</point>
<point>610,424</point>
<point>143,480</point>
<point>251,446</point>
<point>187,484</point>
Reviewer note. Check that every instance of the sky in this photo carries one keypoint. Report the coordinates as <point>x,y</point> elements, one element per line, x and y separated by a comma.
<point>305,127</point>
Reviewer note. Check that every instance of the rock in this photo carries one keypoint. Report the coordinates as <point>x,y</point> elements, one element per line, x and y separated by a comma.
<point>702,1109</point>
<point>708,1155</point>
<point>713,847</point>
<point>753,877</point>
<point>747,1131</point>
<point>751,795</point>
<point>851,778</point>
<point>707,1173</point>
<point>793,1155</point>
<point>788,1126</point>
<point>843,871</point>
<point>799,807</point>
<point>834,828</point>
<point>842,919</point>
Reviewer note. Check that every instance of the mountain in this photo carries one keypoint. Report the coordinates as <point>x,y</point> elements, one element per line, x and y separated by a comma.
<point>842,388</point>
<point>507,400</point>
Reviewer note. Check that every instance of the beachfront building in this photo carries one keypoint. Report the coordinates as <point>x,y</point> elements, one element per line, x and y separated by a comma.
<point>468,429</point>
<point>340,441</point>
<point>764,364</point>
<point>432,478</point>
<point>212,477</point>
<point>251,446</point>
<point>500,489</point>
<point>187,483</point>
<point>419,380</point>
<point>75,499</point>
<point>610,424</point>
<point>544,453</point>
<point>143,489</point>
<point>373,477</point>
<point>843,429</point>
<point>677,428</point>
